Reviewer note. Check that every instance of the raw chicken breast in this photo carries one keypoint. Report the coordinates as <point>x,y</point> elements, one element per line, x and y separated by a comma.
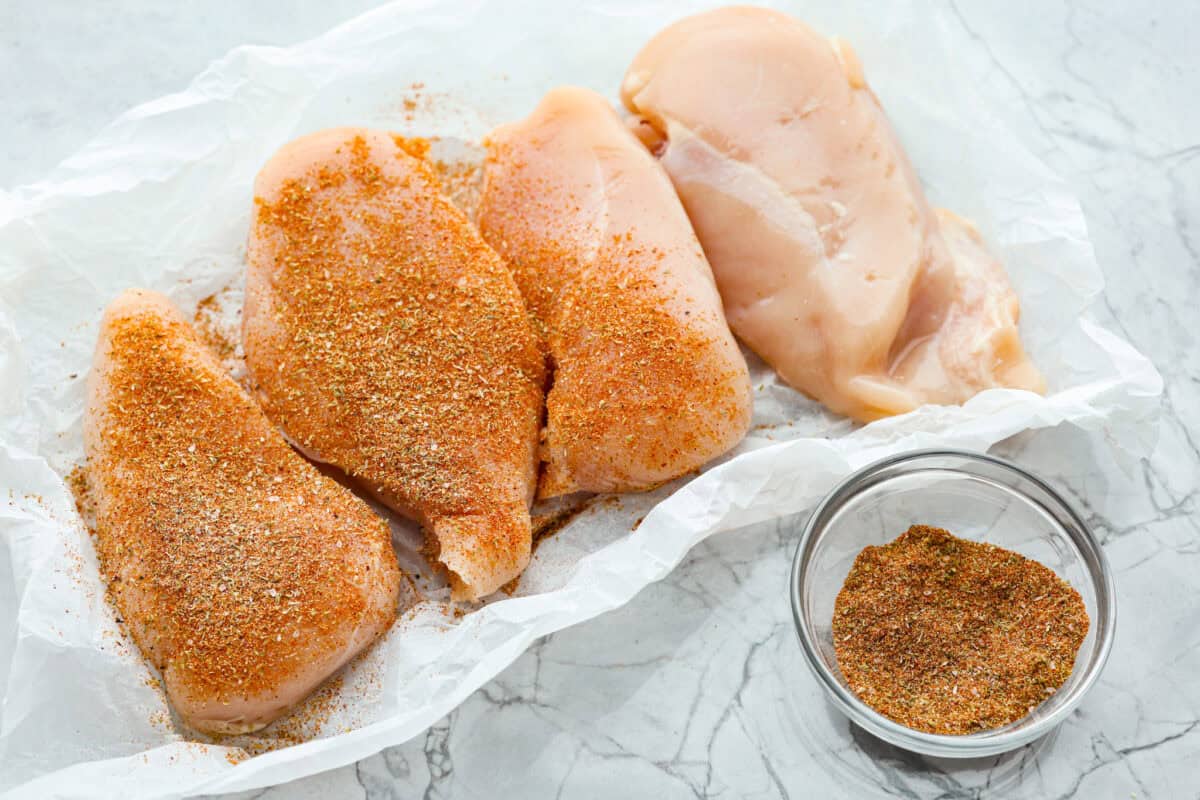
<point>384,337</point>
<point>648,382</point>
<point>244,575</point>
<point>831,264</point>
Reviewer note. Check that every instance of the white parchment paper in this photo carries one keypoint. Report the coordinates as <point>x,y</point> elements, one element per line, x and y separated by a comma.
<point>161,198</point>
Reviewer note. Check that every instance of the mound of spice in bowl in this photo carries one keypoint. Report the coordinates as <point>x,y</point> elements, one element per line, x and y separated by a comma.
<point>950,636</point>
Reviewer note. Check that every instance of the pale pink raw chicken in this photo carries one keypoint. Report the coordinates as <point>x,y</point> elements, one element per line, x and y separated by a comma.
<point>831,263</point>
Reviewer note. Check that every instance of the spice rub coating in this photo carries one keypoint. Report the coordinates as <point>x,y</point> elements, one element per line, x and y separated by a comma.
<point>386,338</point>
<point>951,636</point>
<point>648,382</point>
<point>244,575</point>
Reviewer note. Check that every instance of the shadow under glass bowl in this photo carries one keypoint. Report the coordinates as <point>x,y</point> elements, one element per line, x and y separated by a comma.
<point>974,496</point>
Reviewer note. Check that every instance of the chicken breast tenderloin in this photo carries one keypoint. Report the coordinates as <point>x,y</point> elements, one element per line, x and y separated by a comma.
<point>244,575</point>
<point>831,264</point>
<point>648,382</point>
<point>386,338</point>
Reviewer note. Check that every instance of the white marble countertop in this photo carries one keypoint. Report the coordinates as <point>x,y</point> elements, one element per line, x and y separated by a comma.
<point>689,690</point>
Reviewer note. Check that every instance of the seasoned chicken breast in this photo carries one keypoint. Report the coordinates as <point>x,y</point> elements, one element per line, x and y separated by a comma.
<point>648,382</point>
<point>244,575</point>
<point>386,338</point>
<point>831,264</point>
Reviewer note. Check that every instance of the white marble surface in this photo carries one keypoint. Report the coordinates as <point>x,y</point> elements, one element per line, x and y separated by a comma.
<point>690,689</point>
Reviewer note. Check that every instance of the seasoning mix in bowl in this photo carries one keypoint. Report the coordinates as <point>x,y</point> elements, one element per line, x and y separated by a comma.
<point>950,636</point>
<point>962,644</point>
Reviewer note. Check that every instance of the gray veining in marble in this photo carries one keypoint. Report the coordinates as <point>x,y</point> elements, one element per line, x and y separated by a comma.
<point>687,691</point>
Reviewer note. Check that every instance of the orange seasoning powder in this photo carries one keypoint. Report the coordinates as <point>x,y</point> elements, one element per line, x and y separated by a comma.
<point>387,339</point>
<point>951,636</point>
<point>218,563</point>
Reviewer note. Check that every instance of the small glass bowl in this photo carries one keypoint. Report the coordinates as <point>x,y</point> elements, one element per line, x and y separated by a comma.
<point>974,496</point>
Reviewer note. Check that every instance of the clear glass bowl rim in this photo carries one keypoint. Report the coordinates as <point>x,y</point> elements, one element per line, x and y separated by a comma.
<point>985,743</point>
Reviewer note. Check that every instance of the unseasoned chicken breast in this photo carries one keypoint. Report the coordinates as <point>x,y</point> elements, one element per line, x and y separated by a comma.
<point>244,575</point>
<point>831,264</point>
<point>648,382</point>
<point>386,338</point>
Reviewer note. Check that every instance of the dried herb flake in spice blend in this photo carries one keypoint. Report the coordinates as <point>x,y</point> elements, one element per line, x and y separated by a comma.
<point>950,636</point>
